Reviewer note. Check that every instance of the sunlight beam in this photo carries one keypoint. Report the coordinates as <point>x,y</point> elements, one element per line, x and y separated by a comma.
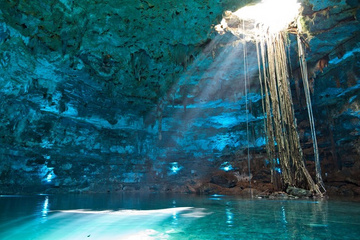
<point>275,15</point>
<point>270,16</point>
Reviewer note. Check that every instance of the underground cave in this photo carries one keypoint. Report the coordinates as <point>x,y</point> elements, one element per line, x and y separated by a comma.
<point>164,115</point>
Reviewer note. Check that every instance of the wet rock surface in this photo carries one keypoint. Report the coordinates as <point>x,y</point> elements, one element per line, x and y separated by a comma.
<point>224,179</point>
<point>145,96</point>
<point>298,192</point>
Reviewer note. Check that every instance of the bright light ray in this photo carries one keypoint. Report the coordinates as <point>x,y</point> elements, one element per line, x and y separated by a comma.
<point>130,212</point>
<point>211,82</point>
<point>267,16</point>
<point>220,71</point>
<point>122,224</point>
<point>272,14</point>
<point>256,21</point>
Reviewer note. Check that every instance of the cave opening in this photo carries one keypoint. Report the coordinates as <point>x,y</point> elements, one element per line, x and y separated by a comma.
<point>267,24</point>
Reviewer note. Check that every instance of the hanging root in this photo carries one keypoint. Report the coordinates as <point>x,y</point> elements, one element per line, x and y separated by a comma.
<point>303,67</point>
<point>280,125</point>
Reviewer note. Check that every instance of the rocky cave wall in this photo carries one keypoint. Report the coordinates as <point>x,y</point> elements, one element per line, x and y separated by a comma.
<point>145,95</point>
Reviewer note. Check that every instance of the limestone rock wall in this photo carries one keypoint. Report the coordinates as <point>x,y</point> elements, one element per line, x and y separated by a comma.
<point>144,95</point>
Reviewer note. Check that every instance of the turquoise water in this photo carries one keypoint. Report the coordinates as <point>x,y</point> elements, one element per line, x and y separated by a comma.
<point>161,216</point>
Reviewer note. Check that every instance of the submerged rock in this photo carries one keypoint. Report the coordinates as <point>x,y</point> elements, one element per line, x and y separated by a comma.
<point>298,192</point>
<point>279,195</point>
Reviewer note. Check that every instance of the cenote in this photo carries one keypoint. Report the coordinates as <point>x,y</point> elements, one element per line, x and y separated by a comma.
<point>175,216</point>
<point>168,119</point>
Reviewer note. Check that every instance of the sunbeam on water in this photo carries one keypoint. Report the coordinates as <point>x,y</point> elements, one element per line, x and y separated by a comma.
<point>153,216</point>
<point>122,224</point>
<point>105,224</point>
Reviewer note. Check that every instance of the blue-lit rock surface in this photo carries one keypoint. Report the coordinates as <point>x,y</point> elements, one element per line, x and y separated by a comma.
<point>145,95</point>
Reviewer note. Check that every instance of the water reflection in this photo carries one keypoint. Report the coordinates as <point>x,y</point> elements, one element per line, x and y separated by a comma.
<point>284,222</point>
<point>283,213</point>
<point>304,216</point>
<point>174,218</point>
<point>229,216</point>
<point>45,209</point>
<point>174,214</point>
<point>319,218</point>
<point>51,217</point>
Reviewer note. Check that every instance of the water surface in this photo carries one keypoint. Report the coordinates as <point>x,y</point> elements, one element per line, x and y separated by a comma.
<point>169,216</point>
